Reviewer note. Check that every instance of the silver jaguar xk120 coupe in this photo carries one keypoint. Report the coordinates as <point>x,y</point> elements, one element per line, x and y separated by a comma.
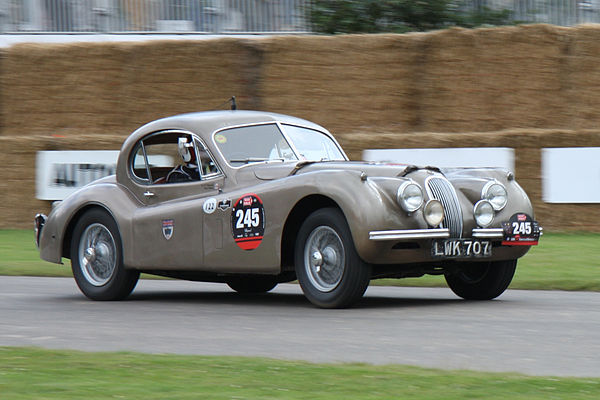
<point>253,199</point>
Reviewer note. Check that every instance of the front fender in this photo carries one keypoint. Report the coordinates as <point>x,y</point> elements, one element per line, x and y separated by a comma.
<point>367,203</point>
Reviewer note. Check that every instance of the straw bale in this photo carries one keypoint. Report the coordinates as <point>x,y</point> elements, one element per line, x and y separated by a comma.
<point>509,74</point>
<point>173,77</point>
<point>515,138</point>
<point>348,50</point>
<point>78,80</point>
<point>342,82</point>
<point>104,86</point>
<point>584,62</point>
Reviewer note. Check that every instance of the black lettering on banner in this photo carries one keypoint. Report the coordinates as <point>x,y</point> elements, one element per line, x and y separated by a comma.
<point>78,175</point>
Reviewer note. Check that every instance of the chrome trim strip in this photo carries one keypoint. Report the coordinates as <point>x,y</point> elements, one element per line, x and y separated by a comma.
<point>405,234</point>
<point>488,233</point>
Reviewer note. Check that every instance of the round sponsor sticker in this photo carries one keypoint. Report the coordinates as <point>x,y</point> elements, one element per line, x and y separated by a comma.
<point>210,205</point>
<point>248,221</point>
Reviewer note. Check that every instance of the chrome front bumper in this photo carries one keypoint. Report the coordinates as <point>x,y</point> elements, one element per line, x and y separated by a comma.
<point>437,233</point>
<point>407,234</point>
<point>488,233</point>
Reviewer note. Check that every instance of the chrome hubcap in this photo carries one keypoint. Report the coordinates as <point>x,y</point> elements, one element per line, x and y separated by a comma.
<point>324,258</point>
<point>97,254</point>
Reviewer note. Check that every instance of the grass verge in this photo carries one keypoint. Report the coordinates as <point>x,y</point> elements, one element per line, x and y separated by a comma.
<point>31,373</point>
<point>562,261</point>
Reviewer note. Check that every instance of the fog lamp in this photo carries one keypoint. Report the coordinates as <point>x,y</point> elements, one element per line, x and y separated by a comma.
<point>433,213</point>
<point>484,213</point>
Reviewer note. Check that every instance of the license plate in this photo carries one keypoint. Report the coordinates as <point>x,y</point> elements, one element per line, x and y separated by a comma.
<point>461,248</point>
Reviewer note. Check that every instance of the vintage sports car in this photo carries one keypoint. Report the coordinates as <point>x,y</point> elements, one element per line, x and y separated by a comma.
<point>253,199</point>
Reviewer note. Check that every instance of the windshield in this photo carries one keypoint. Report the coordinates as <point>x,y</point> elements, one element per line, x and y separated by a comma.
<point>256,143</point>
<point>313,145</point>
<point>266,142</point>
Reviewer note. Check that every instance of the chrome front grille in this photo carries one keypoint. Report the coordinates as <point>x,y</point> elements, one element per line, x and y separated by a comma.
<point>441,189</point>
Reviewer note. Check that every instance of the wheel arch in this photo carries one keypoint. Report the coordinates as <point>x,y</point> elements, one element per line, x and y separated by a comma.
<point>68,234</point>
<point>299,212</point>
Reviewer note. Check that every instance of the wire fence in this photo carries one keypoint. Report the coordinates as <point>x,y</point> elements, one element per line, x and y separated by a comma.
<point>233,16</point>
<point>556,12</point>
<point>154,16</point>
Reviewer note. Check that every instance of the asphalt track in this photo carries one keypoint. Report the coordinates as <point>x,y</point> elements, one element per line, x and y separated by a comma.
<point>533,332</point>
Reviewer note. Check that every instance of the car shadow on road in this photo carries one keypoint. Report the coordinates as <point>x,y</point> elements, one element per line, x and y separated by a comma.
<point>275,299</point>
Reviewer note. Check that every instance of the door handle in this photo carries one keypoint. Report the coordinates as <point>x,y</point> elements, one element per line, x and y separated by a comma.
<point>148,194</point>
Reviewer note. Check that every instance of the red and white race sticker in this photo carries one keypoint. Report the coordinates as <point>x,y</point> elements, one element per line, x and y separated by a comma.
<point>248,221</point>
<point>521,230</point>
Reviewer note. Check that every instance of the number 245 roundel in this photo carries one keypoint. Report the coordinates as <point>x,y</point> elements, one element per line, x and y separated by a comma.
<point>248,221</point>
<point>521,229</point>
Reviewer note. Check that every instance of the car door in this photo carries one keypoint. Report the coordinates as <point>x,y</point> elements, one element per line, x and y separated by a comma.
<point>172,191</point>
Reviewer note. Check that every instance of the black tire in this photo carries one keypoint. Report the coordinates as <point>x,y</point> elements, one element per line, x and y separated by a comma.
<point>252,284</point>
<point>97,258</point>
<point>330,271</point>
<point>482,281</point>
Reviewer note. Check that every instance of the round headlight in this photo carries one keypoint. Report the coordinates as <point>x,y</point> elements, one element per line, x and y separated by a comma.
<point>495,193</point>
<point>410,196</point>
<point>484,213</point>
<point>434,213</point>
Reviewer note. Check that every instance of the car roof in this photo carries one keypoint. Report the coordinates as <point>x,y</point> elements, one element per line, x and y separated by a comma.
<point>206,122</point>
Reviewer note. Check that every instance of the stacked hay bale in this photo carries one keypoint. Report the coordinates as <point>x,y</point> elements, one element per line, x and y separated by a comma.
<point>74,88</point>
<point>115,87</point>
<point>342,82</point>
<point>583,91</point>
<point>492,79</point>
<point>172,77</point>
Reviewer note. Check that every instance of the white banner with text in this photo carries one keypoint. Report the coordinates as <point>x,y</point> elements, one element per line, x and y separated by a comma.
<point>60,173</point>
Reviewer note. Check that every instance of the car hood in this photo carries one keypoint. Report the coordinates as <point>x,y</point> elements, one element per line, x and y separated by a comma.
<point>271,171</point>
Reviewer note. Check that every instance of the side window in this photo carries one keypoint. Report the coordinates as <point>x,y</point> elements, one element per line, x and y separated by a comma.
<point>171,157</point>
<point>207,166</point>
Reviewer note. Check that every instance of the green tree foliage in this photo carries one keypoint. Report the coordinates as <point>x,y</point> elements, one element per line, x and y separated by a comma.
<point>372,16</point>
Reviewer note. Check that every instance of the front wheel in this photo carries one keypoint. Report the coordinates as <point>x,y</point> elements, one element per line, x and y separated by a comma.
<point>97,259</point>
<point>330,271</point>
<point>482,281</point>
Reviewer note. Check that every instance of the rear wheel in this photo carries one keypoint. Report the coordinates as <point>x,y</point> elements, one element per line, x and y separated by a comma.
<point>330,271</point>
<point>252,284</point>
<point>97,259</point>
<point>482,281</point>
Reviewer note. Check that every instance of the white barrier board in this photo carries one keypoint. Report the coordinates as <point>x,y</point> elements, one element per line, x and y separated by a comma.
<point>571,175</point>
<point>60,173</point>
<point>503,157</point>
